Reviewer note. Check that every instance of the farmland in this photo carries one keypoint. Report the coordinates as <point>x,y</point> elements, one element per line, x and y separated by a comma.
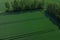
<point>31,25</point>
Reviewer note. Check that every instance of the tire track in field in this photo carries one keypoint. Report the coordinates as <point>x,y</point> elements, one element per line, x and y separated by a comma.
<point>18,21</point>
<point>26,35</point>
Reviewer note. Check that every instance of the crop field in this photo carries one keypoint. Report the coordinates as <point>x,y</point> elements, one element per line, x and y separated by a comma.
<point>31,25</point>
<point>24,23</point>
<point>47,36</point>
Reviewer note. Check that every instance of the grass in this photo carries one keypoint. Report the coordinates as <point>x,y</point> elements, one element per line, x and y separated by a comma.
<point>26,26</point>
<point>11,25</point>
<point>51,35</point>
<point>47,36</point>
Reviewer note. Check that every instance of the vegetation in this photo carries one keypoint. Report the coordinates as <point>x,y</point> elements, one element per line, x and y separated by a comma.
<point>55,35</point>
<point>18,5</point>
<point>54,9</point>
<point>28,25</point>
<point>25,23</point>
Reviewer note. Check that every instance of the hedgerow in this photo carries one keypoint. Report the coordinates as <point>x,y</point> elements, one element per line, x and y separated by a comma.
<point>54,9</point>
<point>18,5</point>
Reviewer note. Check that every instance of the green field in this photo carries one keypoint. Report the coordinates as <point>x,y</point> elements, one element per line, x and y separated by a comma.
<point>27,26</point>
<point>47,36</point>
<point>11,25</point>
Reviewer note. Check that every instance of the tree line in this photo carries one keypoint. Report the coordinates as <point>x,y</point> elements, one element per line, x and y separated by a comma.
<point>18,5</point>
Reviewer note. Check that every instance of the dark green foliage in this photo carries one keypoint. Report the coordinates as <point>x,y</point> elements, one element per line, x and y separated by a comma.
<point>51,8</point>
<point>40,6</point>
<point>27,7</point>
<point>7,5</point>
<point>19,5</point>
<point>15,5</point>
<point>32,6</point>
<point>54,9</point>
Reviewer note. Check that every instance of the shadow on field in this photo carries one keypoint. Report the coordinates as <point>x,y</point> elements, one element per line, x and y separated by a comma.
<point>27,35</point>
<point>18,12</point>
<point>53,19</point>
<point>19,21</point>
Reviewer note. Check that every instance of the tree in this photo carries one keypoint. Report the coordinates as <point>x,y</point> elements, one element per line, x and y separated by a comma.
<point>7,5</point>
<point>15,5</point>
